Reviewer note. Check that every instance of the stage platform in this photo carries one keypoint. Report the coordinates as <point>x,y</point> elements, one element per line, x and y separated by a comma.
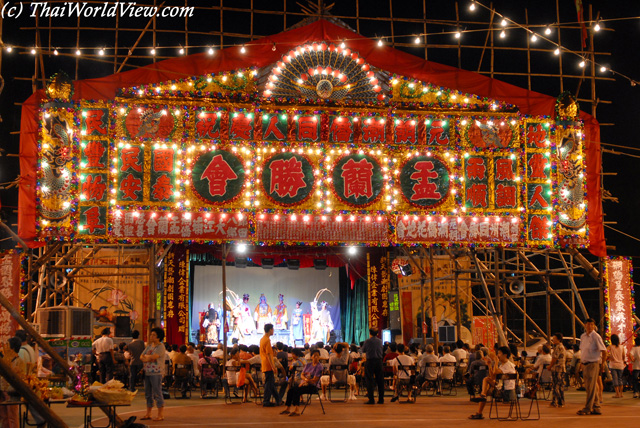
<point>432,411</point>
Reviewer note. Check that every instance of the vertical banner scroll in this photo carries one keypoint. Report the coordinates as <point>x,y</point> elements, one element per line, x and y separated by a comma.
<point>619,302</point>
<point>176,296</point>
<point>378,288</point>
<point>10,288</point>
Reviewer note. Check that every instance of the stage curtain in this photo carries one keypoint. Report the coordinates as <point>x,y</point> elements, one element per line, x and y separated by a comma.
<point>354,308</point>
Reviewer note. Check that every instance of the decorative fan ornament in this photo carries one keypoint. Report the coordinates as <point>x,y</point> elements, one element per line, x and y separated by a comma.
<point>322,71</point>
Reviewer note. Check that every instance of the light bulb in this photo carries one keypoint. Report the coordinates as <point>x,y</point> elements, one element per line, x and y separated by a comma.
<point>596,27</point>
<point>380,42</point>
<point>472,6</point>
<point>547,31</point>
<point>417,40</point>
<point>503,34</point>
<point>210,51</point>
<point>457,35</point>
<point>603,69</point>
<point>152,51</point>
<point>557,51</point>
<point>55,52</point>
<point>78,52</point>
<point>243,50</point>
<point>581,64</point>
<point>534,38</point>
<point>503,23</point>
<point>181,51</point>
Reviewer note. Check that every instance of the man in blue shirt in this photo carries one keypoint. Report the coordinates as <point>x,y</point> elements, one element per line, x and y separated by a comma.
<point>593,358</point>
<point>372,348</point>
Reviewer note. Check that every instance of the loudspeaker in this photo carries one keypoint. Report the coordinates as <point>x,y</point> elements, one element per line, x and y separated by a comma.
<point>241,262</point>
<point>516,287</point>
<point>123,326</point>
<point>267,263</point>
<point>320,264</point>
<point>293,264</point>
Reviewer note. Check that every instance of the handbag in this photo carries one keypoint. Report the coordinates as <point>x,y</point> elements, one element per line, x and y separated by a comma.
<point>242,376</point>
<point>532,392</point>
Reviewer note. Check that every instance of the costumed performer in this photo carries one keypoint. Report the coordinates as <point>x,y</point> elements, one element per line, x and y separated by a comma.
<point>316,323</point>
<point>281,314</point>
<point>211,323</point>
<point>243,320</point>
<point>263,314</point>
<point>326,323</point>
<point>297,325</point>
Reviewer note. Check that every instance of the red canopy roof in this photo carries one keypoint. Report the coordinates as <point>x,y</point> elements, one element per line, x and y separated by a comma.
<point>260,53</point>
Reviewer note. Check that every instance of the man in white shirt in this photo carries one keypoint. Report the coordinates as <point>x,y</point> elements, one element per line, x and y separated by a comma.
<point>448,371</point>
<point>634,357</point>
<point>27,353</point>
<point>544,359</point>
<point>498,365</point>
<point>218,353</point>
<point>401,370</point>
<point>103,348</point>
<point>459,352</point>
<point>593,357</point>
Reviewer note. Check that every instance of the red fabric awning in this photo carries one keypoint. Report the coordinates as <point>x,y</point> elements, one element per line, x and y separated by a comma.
<point>260,53</point>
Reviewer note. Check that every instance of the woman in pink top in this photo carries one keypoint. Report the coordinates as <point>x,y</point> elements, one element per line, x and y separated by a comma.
<point>617,357</point>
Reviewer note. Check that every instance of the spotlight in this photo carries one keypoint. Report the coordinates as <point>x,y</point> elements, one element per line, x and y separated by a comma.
<point>472,6</point>
<point>352,251</point>
<point>406,270</point>
<point>241,248</point>
<point>241,262</point>
<point>210,51</point>
<point>293,264</point>
<point>267,263</point>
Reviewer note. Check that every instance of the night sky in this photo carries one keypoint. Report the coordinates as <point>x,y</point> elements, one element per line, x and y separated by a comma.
<point>623,112</point>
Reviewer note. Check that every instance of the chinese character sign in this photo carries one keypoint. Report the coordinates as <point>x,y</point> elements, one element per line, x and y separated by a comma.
<point>619,299</point>
<point>218,176</point>
<point>287,178</point>
<point>378,286</point>
<point>425,181</point>
<point>176,295</point>
<point>10,288</point>
<point>357,179</point>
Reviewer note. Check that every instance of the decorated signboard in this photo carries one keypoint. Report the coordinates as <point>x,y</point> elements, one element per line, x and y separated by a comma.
<point>10,288</point>
<point>619,300</point>
<point>332,153</point>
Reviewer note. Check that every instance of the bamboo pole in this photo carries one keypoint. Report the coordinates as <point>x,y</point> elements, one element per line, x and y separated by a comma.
<point>35,402</point>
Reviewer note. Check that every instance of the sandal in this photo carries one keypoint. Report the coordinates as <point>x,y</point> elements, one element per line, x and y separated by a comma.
<point>285,412</point>
<point>583,412</point>
<point>145,418</point>
<point>294,414</point>
<point>158,419</point>
<point>476,416</point>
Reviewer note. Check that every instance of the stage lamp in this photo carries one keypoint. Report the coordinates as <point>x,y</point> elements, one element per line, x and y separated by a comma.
<point>320,264</point>
<point>293,264</point>
<point>267,263</point>
<point>241,262</point>
<point>241,248</point>
<point>406,270</point>
<point>352,251</point>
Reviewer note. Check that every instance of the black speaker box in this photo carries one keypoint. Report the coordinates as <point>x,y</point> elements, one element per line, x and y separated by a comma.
<point>123,326</point>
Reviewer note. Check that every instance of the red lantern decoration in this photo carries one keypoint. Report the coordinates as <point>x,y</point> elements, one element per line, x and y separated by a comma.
<point>323,46</point>
<point>343,78</point>
<point>304,76</point>
<point>374,82</point>
<point>380,97</point>
<point>365,67</point>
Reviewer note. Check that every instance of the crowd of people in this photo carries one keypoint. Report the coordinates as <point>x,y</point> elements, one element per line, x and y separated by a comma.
<point>286,374</point>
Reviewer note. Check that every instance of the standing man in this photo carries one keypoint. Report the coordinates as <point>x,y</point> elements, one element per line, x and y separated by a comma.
<point>104,349</point>
<point>557,368</point>
<point>372,348</point>
<point>136,348</point>
<point>593,358</point>
<point>267,360</point>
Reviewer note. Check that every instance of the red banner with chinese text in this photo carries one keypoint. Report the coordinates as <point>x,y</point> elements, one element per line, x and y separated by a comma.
<point>378,288</point>
<point>176,296</point>
<point>619,302</point>
<point>315,228</point>
<point>476,229</point>
<point>484,331</point>
<point>10,288</point>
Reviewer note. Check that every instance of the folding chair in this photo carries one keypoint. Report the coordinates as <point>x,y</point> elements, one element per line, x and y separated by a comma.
<point>461,369</point>
<point>430,384</point>
<point>308,400</point>
<point>513,404</point>
<point>340,369</point>
<point>228,395</point>
<point>182,376</point>
<point>477,386</point>
<point>256,375</point>
<point>406,385</point>
<point>209,380</point>
<point>545,382</point>
<point>530,386</point>
<point>448,380</point>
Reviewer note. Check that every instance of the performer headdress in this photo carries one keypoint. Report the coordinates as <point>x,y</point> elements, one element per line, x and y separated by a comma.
<point>299,303</point>
<point>245,296</point>
<point>281,296</point>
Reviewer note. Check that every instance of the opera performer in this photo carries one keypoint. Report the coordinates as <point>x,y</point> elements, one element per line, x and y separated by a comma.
<point>212,325</point>
<point>297,325</point>
<point>262,314</point>
<point>244,325</point>
<point>282,317</point>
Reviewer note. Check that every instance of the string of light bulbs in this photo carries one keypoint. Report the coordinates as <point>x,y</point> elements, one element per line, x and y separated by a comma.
<point>505,25</point>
